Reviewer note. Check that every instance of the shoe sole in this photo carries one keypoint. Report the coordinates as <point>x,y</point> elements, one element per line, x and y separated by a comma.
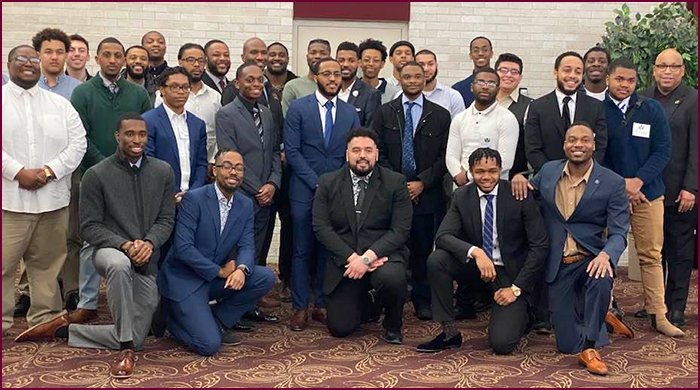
<point>39,324</point>
<point>120,376</point>
<point>583,364</point>
<point>437,350</point>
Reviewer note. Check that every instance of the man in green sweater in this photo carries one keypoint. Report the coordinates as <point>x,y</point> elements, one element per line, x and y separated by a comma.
<point>100,102</point>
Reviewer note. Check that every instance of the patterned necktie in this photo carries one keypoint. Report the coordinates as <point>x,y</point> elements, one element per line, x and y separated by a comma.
<point>362,185</point>
<point>623,107</point>
<point>222,85</point>
<point>328,129</point>
<point>113,88</point>
<point>565,112</point>
<point>258,123</point>
<point>487,229</point>
<point>408,161</point>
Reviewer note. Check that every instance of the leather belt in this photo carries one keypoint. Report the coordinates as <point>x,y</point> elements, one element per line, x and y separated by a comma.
<point>573,258</point>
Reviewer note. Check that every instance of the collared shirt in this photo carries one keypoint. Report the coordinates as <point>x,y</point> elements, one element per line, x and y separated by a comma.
<point>39,128</point>
<point>112,86</point>
<point>217,80</point>
<point>345,95</point>
<point>137,164</point>
<point>572,103</point>
<point>64,85</point>
<point>623,104</point>
<point>322,109</point>
<point>224,207</point>
<point>182,137</point>
<point>204,104</point>
<point>510,99</point>
<point>495,127</point>
<point>568,195</point>
<point>447,98</point>
<point>482,206</point>
<point>393,81</point>
<point>596,95</point>
<point>88,76</point>
<point>356,184</point>
<point>416,111</point>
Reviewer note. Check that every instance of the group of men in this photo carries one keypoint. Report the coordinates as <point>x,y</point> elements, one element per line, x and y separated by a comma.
<point>387,190</point>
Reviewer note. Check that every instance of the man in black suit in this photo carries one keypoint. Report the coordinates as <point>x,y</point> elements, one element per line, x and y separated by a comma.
<point>491,235</point>
<point>412,139</point>
<point>680,104</point>
<point>353,90</point>
<point>362,215</point>
<point>549,116</point>
<point>218,65</point>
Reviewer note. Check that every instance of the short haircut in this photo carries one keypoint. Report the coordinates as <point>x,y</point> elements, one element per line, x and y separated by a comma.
<point>411,63</point>
<point>317,66</point>
<point>362,132</point>
<point>244,65</point>
<point>480,37</point>
<point>399,44</point>
<point>14,50</point>
<point>188,46</point>
<point>163,78</point>
<point>278,44</point>
<point>109,40</point>
<point>348,46</point>
<point>50,34</point>
<point>426,51</point>
<point>135,47</point>
<point>509,57</point>
<point>373,44</point>
<point>565,54</point>
<point>223,151</point>
<point>487,70</point>
<point>213,42</point>
<point>128,116</point>
<point>320,42</point>
<point>594,49</point>
<point>581,123</point>
<point>622,62</point>
<point>484,153</point>
<point>143,38</point>
<point>78,37</point>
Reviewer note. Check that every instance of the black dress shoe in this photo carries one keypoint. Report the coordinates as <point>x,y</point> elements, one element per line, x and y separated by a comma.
<point>22,306</point>
<point>229,338</point>
<point>392,337</point>
<point>677,318</point>
<point>641,314</point>
<point>242,327</point>
<point>258,315</point>
<point>439,343</point>
<point>542,327</point>
<point>72,299</point>
<point>465,313</point>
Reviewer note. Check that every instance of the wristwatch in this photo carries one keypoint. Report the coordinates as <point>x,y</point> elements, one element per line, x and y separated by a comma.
<point>245,269</point>
<point>366,261</point>
<point>49,175</point>
<point>516,290</point>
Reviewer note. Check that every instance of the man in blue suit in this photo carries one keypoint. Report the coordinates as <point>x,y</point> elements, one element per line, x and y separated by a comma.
<point>582,200</point>
<point>314,143</point>
<point>212,259</point>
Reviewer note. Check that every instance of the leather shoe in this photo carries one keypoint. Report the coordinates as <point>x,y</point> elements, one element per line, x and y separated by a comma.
<point>465,313</point>
<point>71,301</point>
<point>44,330</point>
<point>542,327</point>
<point>228,337</point>
<point>677,318</point>
<point>300,320</point>
<point>242,327</point>
<point>269,302</point>
<point>590,358</point>
<point>392,337</point>
<point>258,315</point>
<point>618,325</point>
<point>22,306</point>
<point>123,368</point>
<point>318,314</point>
<point>82,316</point>
<point>439,343</point>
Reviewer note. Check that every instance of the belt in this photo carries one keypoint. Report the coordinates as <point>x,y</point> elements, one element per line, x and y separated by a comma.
<point>573,258</point>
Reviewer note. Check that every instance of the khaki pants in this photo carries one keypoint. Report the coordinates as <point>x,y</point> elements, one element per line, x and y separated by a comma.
<point>647,223</point>
<point>40,239</point>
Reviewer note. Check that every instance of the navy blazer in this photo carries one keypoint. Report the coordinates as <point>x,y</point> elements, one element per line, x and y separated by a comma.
<point>304,144</point>
<point>199,249</point>
<point>366,101</point>
<point>163,145</point>
<point>604,205</point>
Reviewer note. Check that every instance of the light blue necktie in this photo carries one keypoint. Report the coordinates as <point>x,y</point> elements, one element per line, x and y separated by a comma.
<point>487,229</point>
<point>328,130</point>
<point>408,161</point>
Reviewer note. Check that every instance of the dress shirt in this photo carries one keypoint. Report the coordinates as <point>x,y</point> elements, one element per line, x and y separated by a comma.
<point>510,99</point>
<point>345,95</point>
<point>356,184</point>
<point>137,164</point>
<point>182,136</point>
<point>416,111</point>
<point>112,86</point>
<point>495,128</point>
<point>322,109</point>
<point>482,206</point>
<point>623,105</point>
<point>572,103</point>
<point>64,85</point>
<point>596,95</point>
<point>568,194</point>
<point>224,207</point>
<point>39,128</point>
<point>217,80</point>
<point>447,98</point>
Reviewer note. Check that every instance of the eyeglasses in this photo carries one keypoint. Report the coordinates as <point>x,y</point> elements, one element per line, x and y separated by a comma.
<point>663,67</point>
<point>228,167</point>
<point>174,88</point>
<point>24,59</point>
<point>514,72</point>
<point>192,60</point>
<point>329,74</point>
<point>486,83</point>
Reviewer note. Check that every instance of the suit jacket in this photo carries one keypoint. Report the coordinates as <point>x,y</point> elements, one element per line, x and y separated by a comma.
<point>304,144</point>
<point>163,145</point>
<point>522,235</point>
<point>604,205</point>
<point>235,129</point>
<point>211,83</point>
<point>681,173</point>
<point>429,144</point>
<point>266,99</point>
<point>544,128</point>
<point>199,250</point>
<point>384,225</point>
<point>366,101</point>
<point>520,160</point>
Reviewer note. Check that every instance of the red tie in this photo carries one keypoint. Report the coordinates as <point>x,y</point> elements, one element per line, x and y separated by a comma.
<point>222,85</point>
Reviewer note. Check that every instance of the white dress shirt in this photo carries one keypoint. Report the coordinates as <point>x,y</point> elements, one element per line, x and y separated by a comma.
<point>446,98</point>
<point>572,103</point>
<point>494,127</point>
<point>39,128</point>
<point>182,136</point>
<point>322,109</point>
<point>345,95</point>
<point>482,206</point>
<point>623,105</point>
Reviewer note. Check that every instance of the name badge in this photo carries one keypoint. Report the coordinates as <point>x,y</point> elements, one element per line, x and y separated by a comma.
<point>641,130</point>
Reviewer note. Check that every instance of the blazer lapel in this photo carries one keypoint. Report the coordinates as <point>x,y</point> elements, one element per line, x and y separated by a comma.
<point>346,192</point>
<point>475,223</point>
<point>194,137</point>
<point>549,191</point>
<point>676,99</point>
<point>170,134</point>
<point>501,210</point>
<point>372,188</point>
<point>213,206</point>
<point>591,187</point>
<point>554,108</point>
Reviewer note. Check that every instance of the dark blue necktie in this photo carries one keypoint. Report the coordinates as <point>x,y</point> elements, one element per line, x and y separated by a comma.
<point>408,162</point>
<point>487,229</point>
<point>328,129</point>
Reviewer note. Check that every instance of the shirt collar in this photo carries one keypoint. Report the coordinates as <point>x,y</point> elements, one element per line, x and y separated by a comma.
<point>618,102</point>
<point>494,191</point>
<point>355,178</point>
<point>322,99</point>
<point>586,176</point>
<point>17,90</point>
<point>418,101</point>
<point>247,104</point>
<point>515,95</point>
<point>220,196</point>
<point>487,111</point>
<point>106,82</point>
<point>351,85</point>
<point>172,115</point>
<point>561,96</point>
<point>137,164</point>
<point>216,78</point>
<point>59,79</point>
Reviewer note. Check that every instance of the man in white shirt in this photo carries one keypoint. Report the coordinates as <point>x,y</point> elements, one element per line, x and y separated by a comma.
<point>434,90</point>
<point>595,71</point>
<point>43,142</point>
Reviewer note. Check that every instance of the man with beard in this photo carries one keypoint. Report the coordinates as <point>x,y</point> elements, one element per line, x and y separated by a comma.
<point>78,56</point>
<point>480,51</point>
<point>154,42</point>
<point>135,69</point>
<point>276,71</point>
<point>53,45</point>
<point>372,59</point>
<point>400,53</point>
<point>434,90</point>
<point>549,116</point>
<point>353,90</point>
<point>127,211</point>
<point>362,215</point>
<point>218,65</point>
<point>304,86</point>
<point>595,63</point>
<point>413,134</point>
<point>314,142</point>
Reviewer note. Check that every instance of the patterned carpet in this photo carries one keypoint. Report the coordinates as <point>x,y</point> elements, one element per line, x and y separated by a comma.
<point>273,356</point>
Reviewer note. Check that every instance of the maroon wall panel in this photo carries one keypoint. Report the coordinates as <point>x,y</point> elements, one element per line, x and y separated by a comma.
<point>350,10</point>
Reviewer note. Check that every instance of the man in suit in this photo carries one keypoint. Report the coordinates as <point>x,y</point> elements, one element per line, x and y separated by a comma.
<point>218,65</point>
<point>680,105</point>
<point>490,235</point>
<point>353,90</point>
<point>413,134</point>
<point>480,52</point>
<point>213,259</point>
<point>549,116</point>
<point>587,216</point>
<point>362,215</point>
<point>314,142</point>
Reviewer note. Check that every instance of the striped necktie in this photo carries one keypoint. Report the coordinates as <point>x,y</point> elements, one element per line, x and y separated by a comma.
<point>258,123</point>
<point>487,229</point>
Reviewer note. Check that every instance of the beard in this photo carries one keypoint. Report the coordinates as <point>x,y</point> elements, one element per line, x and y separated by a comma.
<point>361,172</point>
<point>560,85</point>
<point>327,93</point>
<point>276,72</point>
<point>430,80</point>
<point>135,76</point>
<point>211,67</point>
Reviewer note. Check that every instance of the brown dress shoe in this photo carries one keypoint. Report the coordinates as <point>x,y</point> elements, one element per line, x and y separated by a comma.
<point>618,325</point>
<point>124,366</point>
<point>82,316</point>
<point>300,320</point>
<point>319,314</point>
<point>590,359</point>
<point>44,330</point>
<point>269,302</point>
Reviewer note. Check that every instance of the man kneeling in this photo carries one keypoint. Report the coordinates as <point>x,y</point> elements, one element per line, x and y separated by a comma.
<point>487,234</point>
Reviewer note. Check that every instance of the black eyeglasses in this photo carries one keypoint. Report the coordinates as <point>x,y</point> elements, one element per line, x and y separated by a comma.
<point>174,88</point>
<point>24,59</point>
<point>192,60</point>
<point>228,167</point>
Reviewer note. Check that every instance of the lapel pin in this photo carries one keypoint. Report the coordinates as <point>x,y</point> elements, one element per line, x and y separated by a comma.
<point>355,93</point>
<point>597,181</point>
<point>677,102</point>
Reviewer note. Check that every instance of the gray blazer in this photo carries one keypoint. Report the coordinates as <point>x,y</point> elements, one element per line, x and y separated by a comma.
<point>236,130</point>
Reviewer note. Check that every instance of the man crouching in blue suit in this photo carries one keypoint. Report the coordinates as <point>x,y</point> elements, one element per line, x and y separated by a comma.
<point>212,259</point>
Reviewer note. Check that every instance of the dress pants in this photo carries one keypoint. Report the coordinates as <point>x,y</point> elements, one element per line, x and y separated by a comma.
<point>132,298</point>
<point>306,246</point>
<point>420,245</point>
<point>646,223</point>
<point>284,212</point>
<point>678,254</point>
<point>346,304</point>
<point>263,225</point>
<point>193,321</point>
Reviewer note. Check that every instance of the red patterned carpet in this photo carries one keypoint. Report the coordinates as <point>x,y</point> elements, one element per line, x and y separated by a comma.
<point>273,356</point>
